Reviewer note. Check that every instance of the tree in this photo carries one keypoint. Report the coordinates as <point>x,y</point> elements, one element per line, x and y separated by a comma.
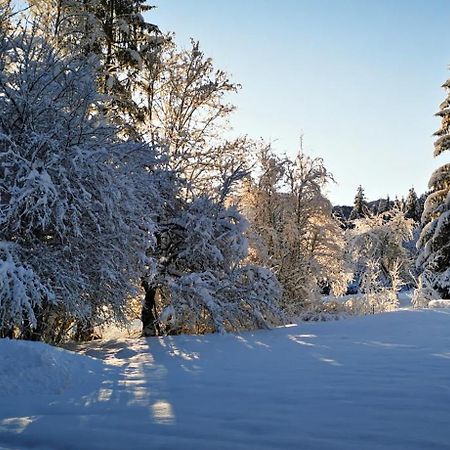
<point>5,16</point>
<point>399,204</point>
<point>166,96</point>
<point>360,207</point>
<point>292,228</point>
<point>412,206</point>
<point>377,296</point>
<point>376,245</point>
<point>73,234</point>
<point>117,38</point>
<point>203,283</point>
<point>176,101</point>
<point>185,106</point>
<point>434,241</point>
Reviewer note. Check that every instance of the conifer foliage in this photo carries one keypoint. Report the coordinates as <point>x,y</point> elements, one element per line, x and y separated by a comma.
<point>360,207</point>
<point>117,38</point>
<point>413,208</point>
<point>434,241</point>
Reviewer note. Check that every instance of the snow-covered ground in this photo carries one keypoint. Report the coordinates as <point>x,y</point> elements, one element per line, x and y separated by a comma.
<point>439,304</point>
<point>376,382</point>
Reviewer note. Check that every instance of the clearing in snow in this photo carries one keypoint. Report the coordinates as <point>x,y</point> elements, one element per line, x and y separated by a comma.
<point>374,382</point>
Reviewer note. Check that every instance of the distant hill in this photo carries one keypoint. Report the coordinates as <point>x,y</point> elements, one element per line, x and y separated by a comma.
<point>342,211</point>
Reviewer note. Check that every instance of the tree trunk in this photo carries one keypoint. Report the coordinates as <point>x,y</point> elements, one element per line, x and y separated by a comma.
<point>85,332</point>
<point>148,316</point>
<point>7,333</point>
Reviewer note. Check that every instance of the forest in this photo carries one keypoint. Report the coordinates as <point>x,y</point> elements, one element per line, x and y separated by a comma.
<point>120,182</point>
<point>126,196</point>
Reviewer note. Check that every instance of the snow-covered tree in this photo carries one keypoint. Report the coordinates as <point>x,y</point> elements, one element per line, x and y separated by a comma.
<point>72,230</point>
<point>202,281</point>
<point>377,244</point>
<point>422,200</point>
<point>155,90</point>
<point>176,100</point>
<point>377,296</point>
<point>412,206</point>
<point>434,241</point>
<point>115,33</point>
<point>292,228</point>
<point>399,203</point>
<point>185,105</point>
<point>360,207</point>
<point>5,15</point>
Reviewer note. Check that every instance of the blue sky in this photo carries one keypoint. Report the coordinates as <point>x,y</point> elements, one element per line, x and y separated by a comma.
<point>361,79</point>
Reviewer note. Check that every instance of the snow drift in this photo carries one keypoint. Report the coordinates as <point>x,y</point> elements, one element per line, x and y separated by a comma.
<point>36,368</point>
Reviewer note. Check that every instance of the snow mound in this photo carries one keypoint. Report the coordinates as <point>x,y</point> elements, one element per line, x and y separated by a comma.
<point>36,368</point>
<point>439,304</point>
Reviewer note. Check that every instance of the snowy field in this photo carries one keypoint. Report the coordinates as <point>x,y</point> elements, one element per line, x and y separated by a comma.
<point>377,382</point>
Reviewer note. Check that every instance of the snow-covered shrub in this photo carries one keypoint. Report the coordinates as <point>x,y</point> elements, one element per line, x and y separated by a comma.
<point>356,305</point>
<point>425,292</point>
<point>320,311</point>
<point>380,240</point>
<point>69,206</point>
<point>377,296</point>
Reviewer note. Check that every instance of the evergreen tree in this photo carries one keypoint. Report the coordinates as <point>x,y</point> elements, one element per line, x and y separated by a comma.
<point>422,200</point>
<point>117,38</point>
<point>434,241</point>
<point>360,207</point>
<point>399,204</point>
<point>412,206</point>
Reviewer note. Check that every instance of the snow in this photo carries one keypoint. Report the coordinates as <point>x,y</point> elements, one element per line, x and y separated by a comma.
<point>35,368</point>
<point>373,382</point>
<point>439,304</point>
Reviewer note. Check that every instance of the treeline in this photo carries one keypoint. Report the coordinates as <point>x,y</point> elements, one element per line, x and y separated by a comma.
<point>412,206</point>
<point>120,195</point>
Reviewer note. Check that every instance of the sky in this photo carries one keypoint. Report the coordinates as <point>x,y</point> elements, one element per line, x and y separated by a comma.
<point>360,79</point>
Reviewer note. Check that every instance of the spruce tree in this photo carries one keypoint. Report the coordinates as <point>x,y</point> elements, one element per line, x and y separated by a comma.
<point>434,241</point>
<point>360,207</point>
<point>116,37</point>
<point>412,207</point>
